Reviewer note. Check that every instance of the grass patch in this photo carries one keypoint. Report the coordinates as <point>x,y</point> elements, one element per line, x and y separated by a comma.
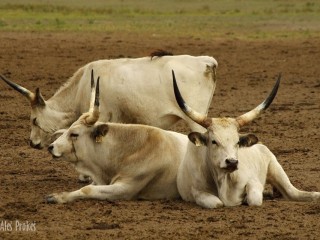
<point>202,19</point>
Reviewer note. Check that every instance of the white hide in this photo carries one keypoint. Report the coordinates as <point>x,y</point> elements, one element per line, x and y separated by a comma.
<point>203,178</point>
<point>135,91</point>
<point>128,162</point>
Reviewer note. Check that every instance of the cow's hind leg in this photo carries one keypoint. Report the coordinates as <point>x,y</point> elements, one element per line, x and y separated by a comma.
<point>279,179</point>
<point>116,191</point>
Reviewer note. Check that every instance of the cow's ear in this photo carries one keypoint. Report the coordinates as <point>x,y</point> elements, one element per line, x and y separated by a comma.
<point>198,139</point>
<point>99,132</point>
<point>248,140</point>
<point>39,100</point>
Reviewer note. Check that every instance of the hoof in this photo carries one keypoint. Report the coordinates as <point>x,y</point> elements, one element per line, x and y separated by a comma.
<point>51,199</point>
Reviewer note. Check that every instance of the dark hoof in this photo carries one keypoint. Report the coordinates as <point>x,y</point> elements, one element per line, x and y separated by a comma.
<point>50,199</point>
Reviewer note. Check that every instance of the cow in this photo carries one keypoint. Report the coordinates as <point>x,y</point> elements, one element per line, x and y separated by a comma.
<point>125,161</point>
<point>222,168</point>
<point>137,91</point>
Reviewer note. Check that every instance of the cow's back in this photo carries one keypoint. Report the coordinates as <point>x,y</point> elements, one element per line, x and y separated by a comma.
<point>140,90</point>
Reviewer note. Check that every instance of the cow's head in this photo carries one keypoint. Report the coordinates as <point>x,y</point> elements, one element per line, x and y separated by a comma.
<point>45,120</point>
<point>222,137</point>
<point>45,117</point>
<point>76,141</point>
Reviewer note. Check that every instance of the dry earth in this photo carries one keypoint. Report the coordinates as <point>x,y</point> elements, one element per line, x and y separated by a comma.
<point>246,73</point>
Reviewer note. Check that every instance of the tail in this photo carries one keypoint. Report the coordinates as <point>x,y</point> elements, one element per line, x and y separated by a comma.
<point>279,179</point>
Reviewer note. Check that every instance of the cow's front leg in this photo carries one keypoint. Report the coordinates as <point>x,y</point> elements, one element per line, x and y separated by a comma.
<point>61,197</point>
<point>112,192</point>
<point>254,190</point>
<point>206,200</point>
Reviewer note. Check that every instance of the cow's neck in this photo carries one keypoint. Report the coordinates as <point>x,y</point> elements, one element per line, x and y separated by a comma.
<point>212,175</point>
<point>215,175</point>
<point>64,103</point>
<point>229,191</point>
<point>66,99</point>
<point>227,185</point>
<point>62,117</point>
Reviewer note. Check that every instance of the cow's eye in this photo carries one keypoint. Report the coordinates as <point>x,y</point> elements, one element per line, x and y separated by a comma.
<point>74,135</point>
<point>34,122</point>
<point>214,142</point>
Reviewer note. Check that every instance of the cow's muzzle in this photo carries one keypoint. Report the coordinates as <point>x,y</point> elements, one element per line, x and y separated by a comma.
<point>36,146</point>
<point>50,149</point>
<point>231,164</point>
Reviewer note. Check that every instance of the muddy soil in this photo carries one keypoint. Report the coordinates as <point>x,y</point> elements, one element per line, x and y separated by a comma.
<point>246,73</point>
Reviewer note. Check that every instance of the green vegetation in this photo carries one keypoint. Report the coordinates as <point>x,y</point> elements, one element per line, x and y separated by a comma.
<point>189,18</point>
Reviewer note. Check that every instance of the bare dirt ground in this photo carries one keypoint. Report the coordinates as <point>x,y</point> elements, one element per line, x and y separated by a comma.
<point>246,73</point>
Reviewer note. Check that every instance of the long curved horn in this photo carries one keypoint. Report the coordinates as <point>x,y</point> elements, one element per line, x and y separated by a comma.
<point>199,118</point>
<point>251,115</point>
<point>94,112</point>
<point>25,92</point>
<point>92,98</point>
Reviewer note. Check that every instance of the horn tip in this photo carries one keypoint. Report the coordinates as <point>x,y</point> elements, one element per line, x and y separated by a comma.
<point>273,93</point>
<point>177,93</point>
<point>96,102</point>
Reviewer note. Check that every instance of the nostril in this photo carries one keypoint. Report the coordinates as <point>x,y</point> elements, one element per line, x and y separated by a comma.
<point>231,161</point>
<point>36,146</point>
<point>231,164</point>
<point>50,148</point>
